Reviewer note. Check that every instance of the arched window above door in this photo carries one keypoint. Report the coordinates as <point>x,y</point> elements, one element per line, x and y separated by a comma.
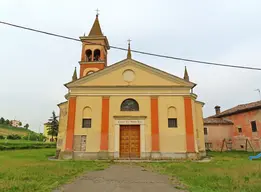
<point>129,105</point>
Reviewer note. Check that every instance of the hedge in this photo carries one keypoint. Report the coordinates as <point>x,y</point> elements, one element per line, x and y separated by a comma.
<point>36,145</point>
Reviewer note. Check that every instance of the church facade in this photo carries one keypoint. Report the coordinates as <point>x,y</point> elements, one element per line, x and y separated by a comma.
<point>128,110</point>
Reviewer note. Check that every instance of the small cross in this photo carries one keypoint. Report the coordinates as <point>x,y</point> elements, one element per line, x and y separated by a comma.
<point>97,10</point>
<point>129,41</point>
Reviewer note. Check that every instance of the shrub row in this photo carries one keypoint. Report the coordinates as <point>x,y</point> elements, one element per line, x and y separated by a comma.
<point>12,137</point>
<point>11,146</point>
<point>31,137</point>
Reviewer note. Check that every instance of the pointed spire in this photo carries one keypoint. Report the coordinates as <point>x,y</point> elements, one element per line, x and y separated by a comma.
<point>74,77</point>
<point>96,28</point>
<point>186,76</point>
<point>129,50</point>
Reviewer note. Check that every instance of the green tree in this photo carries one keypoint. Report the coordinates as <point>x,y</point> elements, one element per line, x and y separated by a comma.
<point>41,137</point>
<point>2,120</point>
<point>20,123</point>
<point>7,122</point>
<point>53,125</point>
<point>26,126</point>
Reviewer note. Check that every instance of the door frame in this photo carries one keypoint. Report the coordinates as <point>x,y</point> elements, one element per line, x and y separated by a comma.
<point>117,124</point>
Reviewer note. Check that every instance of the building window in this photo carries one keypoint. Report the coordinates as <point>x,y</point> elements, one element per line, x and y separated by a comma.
<point>86,123</point>
<point>239,130</point>
<point>205,131</point>
<point>253,125</point>
<point>172,122</point>
<point>172,117</point>
<point>129,105</point>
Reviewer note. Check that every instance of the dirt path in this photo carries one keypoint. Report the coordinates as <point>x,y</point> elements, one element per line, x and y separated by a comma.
<point>121,178</point>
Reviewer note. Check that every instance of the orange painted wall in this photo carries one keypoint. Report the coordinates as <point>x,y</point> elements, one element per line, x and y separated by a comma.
<point>189,125</point>
<point>216,134</point>
<point>105,124</point>
<point>243,120</point>
<point>70,124</point>
<point>94,65</point>
<point>154,124</point>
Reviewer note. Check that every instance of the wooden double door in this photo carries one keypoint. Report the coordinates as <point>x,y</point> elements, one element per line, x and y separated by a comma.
<point>129,141</point>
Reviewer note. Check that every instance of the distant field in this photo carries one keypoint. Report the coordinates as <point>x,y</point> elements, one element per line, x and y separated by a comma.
<point>9,130</point>
<point>31,171</point>
<point>24,144</point>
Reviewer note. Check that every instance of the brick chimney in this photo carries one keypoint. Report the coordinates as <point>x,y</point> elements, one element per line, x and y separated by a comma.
<point>217,109</point>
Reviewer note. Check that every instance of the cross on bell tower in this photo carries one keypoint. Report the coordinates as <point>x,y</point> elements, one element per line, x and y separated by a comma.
<point>97,12</point>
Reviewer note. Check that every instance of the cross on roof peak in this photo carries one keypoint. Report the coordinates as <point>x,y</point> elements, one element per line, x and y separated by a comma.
<point>97,12</point>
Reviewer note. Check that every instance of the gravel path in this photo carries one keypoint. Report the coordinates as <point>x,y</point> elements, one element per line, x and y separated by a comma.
<point>121,178</point>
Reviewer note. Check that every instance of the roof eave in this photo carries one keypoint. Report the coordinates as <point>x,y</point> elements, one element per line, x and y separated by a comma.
<point>62,103</point>
<point>239,111</point>
<point>218,123</point>
<point>98,37</point>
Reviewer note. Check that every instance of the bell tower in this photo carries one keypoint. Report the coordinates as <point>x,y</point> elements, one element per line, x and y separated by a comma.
<point>94,50</point>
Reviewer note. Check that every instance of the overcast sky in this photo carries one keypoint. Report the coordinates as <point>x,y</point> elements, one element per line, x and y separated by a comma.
<point>34,67</point>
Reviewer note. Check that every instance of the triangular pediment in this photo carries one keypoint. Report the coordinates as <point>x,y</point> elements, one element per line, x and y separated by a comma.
<point>130,73</point>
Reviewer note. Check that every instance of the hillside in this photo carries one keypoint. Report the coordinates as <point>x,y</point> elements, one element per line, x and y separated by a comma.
<point>9,130</point>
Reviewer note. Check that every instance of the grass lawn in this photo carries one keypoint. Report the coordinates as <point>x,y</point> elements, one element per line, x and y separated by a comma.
<point>228,171</point>
<point>24,144</point>
<point>29,170</point>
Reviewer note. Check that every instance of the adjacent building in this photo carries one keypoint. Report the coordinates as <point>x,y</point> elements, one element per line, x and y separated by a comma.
<point>237,125</point>
<point>127,109</point>
<point>49,138</point>
<point>15,123</point>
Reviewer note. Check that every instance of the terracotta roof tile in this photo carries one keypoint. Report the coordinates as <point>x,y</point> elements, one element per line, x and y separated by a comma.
<point>240,108</point>
<point>213,120</point>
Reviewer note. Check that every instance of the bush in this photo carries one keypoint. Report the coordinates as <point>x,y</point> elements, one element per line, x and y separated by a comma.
<point>2,137</point>
<point>14,137</point>
<point>25,145</point>
<point>34,137</point>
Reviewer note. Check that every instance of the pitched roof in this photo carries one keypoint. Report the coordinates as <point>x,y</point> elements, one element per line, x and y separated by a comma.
<point>96,28</point>
<point>213,120</point>
<point>240,108</point>
<point>121,63</point>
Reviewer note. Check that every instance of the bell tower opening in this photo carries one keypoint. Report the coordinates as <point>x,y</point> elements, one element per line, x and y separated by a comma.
<point>97,55</point>
<point>94,50</point>
<point>88,55</point>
